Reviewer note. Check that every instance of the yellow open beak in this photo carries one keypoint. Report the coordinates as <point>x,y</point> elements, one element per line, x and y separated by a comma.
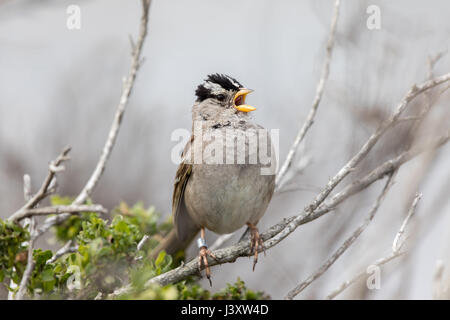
<point>239,101</point>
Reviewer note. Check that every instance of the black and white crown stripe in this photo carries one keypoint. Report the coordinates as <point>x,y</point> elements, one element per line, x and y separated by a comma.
<point>215,85</point>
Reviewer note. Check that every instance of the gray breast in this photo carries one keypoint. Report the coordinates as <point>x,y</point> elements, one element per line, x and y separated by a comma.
<point>224,196</point>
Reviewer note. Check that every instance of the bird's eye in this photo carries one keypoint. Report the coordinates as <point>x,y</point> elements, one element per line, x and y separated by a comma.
<point>220,97</point>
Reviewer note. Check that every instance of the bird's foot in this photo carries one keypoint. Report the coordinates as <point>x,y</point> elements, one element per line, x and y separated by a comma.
<point>203,260</point>
<point>256,243</point>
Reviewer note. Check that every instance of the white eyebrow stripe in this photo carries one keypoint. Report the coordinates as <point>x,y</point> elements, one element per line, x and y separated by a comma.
<point>233,81</point>
<point>214,87</point>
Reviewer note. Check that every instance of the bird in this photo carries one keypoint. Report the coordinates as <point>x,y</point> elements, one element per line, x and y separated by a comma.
<point>220,184</point>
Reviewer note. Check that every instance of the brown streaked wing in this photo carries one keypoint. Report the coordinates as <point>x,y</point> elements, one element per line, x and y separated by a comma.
<point>184,226</point>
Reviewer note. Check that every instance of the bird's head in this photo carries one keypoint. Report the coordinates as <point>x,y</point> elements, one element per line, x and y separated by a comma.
<point>224,90</point>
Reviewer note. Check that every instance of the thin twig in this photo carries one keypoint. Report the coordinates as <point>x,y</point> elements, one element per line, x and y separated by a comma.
<point>318,96</point>
<point>27,187</point>
<point>396,246</point>
<point>30,264</point>
<point>347,243</point>
<point>114,130</point>
<point>356,159</point>
<point>44,189</point>
<point>71,209</point>
<point>377,173</point>
<point>431,62</point>
<point>69,247</point>
<point>441,288</point>
<point>142,242</point>
<point>415,133</point>
<point>26,222</point>
<point>361,275</point>
<point>140,245</point>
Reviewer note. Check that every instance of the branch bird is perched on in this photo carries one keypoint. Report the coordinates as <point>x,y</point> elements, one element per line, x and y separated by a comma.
<point>220,184</point>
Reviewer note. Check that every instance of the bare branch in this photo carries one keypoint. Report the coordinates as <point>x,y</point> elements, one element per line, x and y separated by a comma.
<point>71,209</point>
<point>412,93</point>
<point>69,247</point>
<point>30,265</point>
<point>361,184</point>
<point>376,174</point>
<point>27,196</point>
<point>441,287</point>
<point>356,159</point>
<point>27,187</point>
<point>347,243</point>
<point>123,102</point>
<point>140,245</point>
<point>431,62</point>
<point>44,189</point>
<point>295,169</point>
<point>142,242</point>
<point>396,246</point>
<point>319,92</point>
<point>361,275</point>
<point>114,130</point>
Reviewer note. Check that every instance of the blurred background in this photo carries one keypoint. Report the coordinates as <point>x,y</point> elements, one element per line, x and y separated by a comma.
<point>60,87</point>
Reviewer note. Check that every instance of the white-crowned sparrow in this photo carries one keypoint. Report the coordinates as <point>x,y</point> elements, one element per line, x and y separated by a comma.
<point>220,184</point>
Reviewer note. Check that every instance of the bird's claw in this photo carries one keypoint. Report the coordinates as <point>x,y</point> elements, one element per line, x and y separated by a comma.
<point>255,244</point>
<point>203,260</point>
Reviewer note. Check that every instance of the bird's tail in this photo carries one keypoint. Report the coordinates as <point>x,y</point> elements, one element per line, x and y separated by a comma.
<point>172,245</point>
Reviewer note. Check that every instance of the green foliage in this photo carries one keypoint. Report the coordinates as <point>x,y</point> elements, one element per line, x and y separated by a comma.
<point>47,277</point>
<point>189,290</point>
<point>107,259</point>
<point>145,219</point>
<point>68,229</point>
<point>13,251</point>
<point>148,268</point>
<point>238,291</point>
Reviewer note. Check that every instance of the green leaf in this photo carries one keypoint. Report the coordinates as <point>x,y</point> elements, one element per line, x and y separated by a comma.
<point>48,285</point>
<point>160,258</point>
<point>47,275</point>
<point>41,257</point>
<point>56,200</point>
